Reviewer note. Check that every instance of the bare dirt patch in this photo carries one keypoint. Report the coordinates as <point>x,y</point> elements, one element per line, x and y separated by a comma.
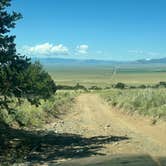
<point>92,117</point>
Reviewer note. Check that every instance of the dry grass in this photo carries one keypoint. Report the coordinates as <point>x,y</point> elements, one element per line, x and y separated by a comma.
<point>150,102</point>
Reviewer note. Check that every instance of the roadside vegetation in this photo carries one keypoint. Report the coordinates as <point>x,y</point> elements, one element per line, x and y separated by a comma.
<point>27,115</point>
<point>144,99</point>
<point>151,102</point>
<point>118,85</point>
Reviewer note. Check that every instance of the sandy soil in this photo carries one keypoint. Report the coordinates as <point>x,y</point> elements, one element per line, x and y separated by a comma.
<point>91,117</point>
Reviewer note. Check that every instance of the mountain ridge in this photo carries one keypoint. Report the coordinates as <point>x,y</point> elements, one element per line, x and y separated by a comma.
<point>97,61</point>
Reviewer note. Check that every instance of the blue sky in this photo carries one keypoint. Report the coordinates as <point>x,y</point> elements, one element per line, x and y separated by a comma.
<point>92,29</point>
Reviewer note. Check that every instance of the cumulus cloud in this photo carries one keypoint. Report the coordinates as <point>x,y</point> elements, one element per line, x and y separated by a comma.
<point>82,49</point>
<point>50,50</point>
<point>46,49</point>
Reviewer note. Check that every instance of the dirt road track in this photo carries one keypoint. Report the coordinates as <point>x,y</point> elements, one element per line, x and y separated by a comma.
<point>144,143</point>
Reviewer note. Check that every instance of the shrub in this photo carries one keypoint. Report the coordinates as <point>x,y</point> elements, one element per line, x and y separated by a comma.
<point>144,101</point>
<point>95,88</point>
<point>142,86</point>
<point>29,115</point>
<point>120,85</point>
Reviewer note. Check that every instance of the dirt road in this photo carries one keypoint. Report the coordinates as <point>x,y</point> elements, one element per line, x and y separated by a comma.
<point>132,137</point>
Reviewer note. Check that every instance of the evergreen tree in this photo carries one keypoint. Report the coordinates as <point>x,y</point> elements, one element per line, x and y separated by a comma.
<point>18,76</point>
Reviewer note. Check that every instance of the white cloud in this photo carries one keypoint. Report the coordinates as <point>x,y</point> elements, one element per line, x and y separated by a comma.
<point>50,50</point>
<point>82,49</point>
<point>46,49</point>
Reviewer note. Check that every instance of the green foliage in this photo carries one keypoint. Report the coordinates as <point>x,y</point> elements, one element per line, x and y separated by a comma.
<point>161,84</point>
<point>147,102</point>
<point>95,88</point>
<point>31,116</point>
<point>120,85</point>
<point>78,86</point>
<point>37,84</point>
<point>68,87</point>
<point>142,86</point>
<point>18,76</point>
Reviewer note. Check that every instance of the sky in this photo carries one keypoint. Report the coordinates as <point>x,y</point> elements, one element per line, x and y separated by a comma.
<point>91,29</point>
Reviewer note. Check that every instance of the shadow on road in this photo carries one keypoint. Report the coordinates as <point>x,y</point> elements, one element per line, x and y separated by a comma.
<point>18,145</point>
<point>118,160</point>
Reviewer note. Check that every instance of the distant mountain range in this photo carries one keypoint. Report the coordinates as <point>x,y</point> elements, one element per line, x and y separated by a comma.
<point>149,61</point>
<point>54,61</point>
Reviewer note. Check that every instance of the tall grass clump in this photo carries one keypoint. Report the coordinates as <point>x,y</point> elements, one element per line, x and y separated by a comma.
<point>144,101</point>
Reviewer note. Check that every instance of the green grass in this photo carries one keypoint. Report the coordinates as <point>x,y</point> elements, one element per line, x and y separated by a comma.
<point>151,102</point>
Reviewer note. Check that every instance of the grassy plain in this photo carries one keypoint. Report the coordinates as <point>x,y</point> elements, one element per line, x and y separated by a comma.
<point>144,101</point>
<point>106,75</point>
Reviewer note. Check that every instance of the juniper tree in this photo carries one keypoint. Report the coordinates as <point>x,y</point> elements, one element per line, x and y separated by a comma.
<point>19,77</point>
